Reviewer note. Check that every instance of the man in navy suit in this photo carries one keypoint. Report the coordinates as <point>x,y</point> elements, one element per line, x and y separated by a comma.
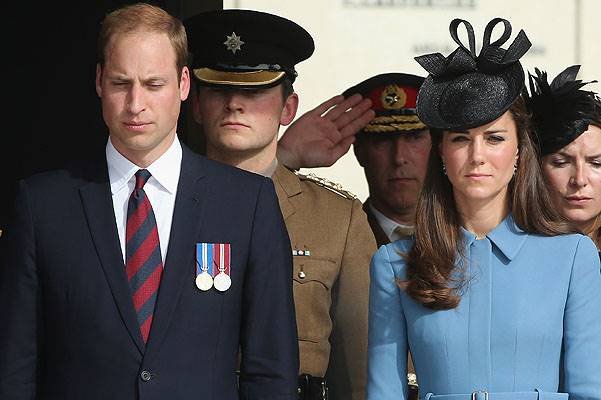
<point>142,274</point>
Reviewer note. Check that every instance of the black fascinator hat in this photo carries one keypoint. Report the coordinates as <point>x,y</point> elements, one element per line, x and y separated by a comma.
<point>463,91</point>
<point>561,111</point>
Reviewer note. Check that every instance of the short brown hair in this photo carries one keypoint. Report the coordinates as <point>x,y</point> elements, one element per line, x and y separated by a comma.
<point>431,263</point>
<point>145,17</point>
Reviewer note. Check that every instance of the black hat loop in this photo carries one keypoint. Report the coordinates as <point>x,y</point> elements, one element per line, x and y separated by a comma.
<point>492,57</point>
<point>470,35</point>
<point>489,29</point>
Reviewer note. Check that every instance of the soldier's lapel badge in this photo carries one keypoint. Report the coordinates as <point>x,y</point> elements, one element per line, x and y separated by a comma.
<point>301,252</point>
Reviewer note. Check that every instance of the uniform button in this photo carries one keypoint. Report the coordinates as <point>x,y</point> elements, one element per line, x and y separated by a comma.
<point>145,375</point>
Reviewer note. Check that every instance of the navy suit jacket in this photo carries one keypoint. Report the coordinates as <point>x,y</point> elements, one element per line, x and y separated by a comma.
<point>68,328</point>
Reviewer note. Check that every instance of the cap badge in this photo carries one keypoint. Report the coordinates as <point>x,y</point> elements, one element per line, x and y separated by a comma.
<point>233,43</point>
<point>393,97</point>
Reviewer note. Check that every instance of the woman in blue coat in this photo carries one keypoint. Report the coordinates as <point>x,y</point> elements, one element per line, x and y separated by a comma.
<point>494,297</point>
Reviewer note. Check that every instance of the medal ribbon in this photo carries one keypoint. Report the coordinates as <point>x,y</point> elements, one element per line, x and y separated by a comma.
<point>221,258</point>
<point>204,253</point>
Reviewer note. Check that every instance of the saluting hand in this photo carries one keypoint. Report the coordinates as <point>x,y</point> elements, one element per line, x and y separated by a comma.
<point>321,136</point>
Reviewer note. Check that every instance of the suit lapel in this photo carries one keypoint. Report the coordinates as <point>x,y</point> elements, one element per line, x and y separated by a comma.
<point>192,192</point>
<point>379,234</point>
<point>98,208</point>
<point>286,185</point>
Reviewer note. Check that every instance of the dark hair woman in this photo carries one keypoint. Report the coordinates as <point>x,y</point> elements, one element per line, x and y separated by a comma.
<point>567,121</point>
<point>494,297</point>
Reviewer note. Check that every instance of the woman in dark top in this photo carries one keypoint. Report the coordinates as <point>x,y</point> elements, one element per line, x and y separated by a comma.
<point>567,121</point>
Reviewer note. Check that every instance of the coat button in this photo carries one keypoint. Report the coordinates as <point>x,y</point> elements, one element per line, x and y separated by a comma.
<point>145,375</point>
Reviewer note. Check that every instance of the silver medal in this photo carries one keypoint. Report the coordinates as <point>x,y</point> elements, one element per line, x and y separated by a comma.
<point>222,282</point>
<point>204,281</point>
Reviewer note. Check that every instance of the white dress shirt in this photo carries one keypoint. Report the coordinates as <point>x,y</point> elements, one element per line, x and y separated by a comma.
<point>161,189</point>
<point>388,225</point>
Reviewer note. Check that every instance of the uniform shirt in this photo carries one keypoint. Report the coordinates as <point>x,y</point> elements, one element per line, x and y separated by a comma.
<point>161,189</point>
<point>529,314</point>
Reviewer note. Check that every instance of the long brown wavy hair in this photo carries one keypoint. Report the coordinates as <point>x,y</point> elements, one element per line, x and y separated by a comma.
<point>432,277</point>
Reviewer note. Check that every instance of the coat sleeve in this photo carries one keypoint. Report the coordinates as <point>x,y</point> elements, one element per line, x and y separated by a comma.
<point>387,342</point>
<point>269,345</point>
<point>20,326</point>
<point>582,326</point>
<point>347,370</point>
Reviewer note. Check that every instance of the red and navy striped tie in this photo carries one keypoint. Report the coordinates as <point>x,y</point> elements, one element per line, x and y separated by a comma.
<point>144,264</point>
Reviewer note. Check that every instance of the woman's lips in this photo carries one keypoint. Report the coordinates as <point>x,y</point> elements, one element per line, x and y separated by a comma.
<point>477,176</point>
<point>578,200</point>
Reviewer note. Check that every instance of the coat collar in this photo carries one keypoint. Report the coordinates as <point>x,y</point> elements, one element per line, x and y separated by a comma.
<point>379,234</point>
<point>507,237</point>
<point>287,185</point>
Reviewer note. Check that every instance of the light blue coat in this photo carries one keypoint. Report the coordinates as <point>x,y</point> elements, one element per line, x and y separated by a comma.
<point>529,319</point>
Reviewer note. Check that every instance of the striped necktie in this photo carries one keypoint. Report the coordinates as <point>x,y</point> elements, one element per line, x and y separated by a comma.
<point>144,264</point>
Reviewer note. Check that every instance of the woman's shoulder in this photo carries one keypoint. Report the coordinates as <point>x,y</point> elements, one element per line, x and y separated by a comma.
<point>574,247</point>
<point>390,258</point>
<point>569,240</point>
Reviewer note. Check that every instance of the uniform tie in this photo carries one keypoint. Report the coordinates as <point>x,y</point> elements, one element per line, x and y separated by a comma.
<point>144,264</point>
<point>404,231</point>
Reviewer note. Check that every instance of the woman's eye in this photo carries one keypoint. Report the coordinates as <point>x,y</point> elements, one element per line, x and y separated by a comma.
<point>559,163</point>
<point>496,138</point>
<point>455,139</point>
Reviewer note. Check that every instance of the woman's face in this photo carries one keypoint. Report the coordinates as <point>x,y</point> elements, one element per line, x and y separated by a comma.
<point>574,176</point>
<point>480,162</point>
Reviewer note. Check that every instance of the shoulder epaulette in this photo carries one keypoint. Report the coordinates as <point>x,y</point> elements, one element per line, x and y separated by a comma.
<point>326,183</point>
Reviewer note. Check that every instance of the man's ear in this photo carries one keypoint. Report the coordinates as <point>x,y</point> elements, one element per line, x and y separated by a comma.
<point>98,80</point>
<point>184,84</point>
<point>289,110</point>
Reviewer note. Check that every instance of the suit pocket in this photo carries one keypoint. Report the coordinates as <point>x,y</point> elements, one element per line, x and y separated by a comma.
<point>313,281</point>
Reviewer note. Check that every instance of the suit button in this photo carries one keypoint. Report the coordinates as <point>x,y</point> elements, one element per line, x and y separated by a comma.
<point>145,375</point>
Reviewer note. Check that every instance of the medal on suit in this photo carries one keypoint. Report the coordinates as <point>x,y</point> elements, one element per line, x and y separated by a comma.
<point>222,281</point>
<point>204,266</point>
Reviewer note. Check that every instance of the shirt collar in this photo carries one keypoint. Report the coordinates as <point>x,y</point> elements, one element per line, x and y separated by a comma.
<point>270,170</point>
<point>388,225</point>
<point>507,237</point>
<point>165,169</point>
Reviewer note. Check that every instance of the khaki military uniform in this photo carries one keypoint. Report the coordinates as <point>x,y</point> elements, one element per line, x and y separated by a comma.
<point>332,247</point>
